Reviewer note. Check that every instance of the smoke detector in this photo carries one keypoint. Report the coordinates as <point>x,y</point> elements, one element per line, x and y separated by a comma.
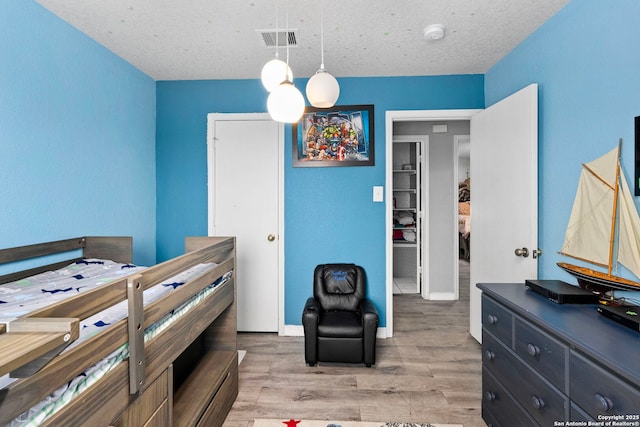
<point>433,32</point>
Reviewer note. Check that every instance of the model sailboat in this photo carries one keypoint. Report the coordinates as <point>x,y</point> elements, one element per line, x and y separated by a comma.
<point>604,227</point>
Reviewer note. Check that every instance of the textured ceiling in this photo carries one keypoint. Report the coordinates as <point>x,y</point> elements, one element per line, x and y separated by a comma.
<point>217,39</point>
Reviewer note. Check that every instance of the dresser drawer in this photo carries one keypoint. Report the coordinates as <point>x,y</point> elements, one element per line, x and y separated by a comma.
<point>498,407</point>
<point>577,414</point>
<point>537,396</point>
<point>497,358</point>
<point>497,319</point>
<point>545,354</point>
<point>599,392</point>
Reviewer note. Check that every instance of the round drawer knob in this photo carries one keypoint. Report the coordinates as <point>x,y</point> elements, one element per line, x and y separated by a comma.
<point>492,319</point>
<point>533,350</point>
<point>490,396</point>
<point>537,402</point>
<point>490,355</point>
<point>603,403</point>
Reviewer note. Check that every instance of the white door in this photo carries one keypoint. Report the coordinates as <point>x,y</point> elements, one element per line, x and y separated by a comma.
<point>244,182</point>
<point>504,195</point>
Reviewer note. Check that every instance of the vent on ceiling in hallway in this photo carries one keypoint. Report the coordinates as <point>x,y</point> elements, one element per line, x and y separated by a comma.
<point>278,38</point>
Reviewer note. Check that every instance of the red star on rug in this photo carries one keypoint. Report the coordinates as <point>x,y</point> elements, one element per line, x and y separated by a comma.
<point>291,423</point>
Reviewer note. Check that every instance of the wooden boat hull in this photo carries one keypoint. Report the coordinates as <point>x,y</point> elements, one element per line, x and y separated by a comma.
<point>598,281</point>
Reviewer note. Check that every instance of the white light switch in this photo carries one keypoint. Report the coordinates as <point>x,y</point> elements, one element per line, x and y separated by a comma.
<point>378,193</point>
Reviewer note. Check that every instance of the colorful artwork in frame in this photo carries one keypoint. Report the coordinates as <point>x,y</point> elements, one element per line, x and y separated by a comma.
<point>336,136</point>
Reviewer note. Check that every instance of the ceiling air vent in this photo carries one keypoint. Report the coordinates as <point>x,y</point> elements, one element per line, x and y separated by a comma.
<point>278,38</point>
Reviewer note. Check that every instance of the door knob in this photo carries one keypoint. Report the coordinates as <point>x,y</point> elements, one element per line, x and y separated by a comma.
<point>523,252</point>
<point>271,237</point>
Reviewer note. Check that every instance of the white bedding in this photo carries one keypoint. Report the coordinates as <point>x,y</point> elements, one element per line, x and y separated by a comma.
<point>23,296</point>
<point>27,295</point>
<point>464,225</point>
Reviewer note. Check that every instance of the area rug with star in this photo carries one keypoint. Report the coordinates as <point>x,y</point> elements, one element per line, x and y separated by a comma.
<point>274,422</point>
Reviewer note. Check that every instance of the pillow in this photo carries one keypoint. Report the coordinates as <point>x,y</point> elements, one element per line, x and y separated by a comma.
<point>464,208</point>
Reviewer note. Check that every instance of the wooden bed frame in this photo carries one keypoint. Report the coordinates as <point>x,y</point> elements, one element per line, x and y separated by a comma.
<point>185,376</point>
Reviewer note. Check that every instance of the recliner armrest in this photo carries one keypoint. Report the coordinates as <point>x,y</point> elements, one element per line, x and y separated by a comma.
<point>370,326</point>
<point>367,309</point>
<point>312,304</point>
<point>310,320</point>
<point>311,312</point>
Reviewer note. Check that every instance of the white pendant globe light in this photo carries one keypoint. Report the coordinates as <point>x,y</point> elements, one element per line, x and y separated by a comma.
<point>275,72</point>
<point>285,103</point>
<point>323,89</point>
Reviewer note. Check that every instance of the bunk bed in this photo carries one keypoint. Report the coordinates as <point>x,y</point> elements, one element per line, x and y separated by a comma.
<point>179,363</point>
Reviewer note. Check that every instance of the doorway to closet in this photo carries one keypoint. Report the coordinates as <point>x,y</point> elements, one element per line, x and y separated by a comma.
<point>435,193</point>
<point>443,133</point>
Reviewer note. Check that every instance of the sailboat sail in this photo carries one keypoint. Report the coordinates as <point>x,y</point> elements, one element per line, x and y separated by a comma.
<point>589,231</point>
<point>596,213</point>
<point>629,234</point>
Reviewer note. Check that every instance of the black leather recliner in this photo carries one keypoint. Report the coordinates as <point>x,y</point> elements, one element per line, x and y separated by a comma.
<point>340,324</point>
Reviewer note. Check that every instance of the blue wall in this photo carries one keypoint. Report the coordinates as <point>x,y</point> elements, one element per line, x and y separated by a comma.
<point>585,60</point>
<point>77,136</point>
<point>329,213</point>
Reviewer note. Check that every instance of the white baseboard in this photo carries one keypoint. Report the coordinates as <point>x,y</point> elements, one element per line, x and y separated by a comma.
<point>298,331</point>
<point>292,331</point>
<point>442,296</point>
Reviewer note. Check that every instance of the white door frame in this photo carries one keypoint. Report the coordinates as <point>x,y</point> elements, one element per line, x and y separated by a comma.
<point>407,116</point>
<point>211,119</point>
<point>456,247</point>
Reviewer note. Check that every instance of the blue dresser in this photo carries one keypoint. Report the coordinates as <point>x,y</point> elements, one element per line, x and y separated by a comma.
<point>547,364</point>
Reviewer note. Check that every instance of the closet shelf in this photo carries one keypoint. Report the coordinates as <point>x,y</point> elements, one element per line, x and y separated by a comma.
<point>403,244</point>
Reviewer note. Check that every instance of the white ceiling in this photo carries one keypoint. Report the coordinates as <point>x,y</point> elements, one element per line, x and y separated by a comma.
<point>217,39</point>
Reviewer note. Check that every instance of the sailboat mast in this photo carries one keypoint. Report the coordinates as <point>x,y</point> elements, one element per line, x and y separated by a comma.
<point>615,210</point>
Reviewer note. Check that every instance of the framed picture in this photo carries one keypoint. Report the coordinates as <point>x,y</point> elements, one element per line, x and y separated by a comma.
<point>336,136</point>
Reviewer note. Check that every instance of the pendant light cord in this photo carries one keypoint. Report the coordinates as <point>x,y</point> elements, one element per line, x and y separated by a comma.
<point>277,31</point>
<point>287,39</point>
<point>321,34</point>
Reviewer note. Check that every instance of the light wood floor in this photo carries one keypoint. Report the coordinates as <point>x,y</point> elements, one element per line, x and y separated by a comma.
<point>430,371</point>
